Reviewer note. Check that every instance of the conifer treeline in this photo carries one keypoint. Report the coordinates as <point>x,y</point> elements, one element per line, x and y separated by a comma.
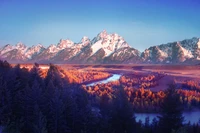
<point>31,104</point>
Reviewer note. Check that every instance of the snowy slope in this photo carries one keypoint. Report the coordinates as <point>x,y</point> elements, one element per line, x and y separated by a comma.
<point>179,51</point>
<point>64,44</point>
<point>34,50</point>
<point>104,48</point>
<point>108,42</point>
<point>6,48</point>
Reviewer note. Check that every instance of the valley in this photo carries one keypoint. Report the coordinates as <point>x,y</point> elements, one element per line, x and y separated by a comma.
<point>99,66</point>
<point>170,72</point>
<point>144,86</point>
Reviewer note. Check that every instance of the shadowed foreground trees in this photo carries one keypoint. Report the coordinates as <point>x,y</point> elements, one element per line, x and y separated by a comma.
<point>122,118</point>
<point>31,104</point>
<point>171,111</point>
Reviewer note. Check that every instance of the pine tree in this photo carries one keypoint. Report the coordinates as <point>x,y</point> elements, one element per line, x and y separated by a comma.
<point>5,102</point>
<point>122,117</point>
<point>171,111</point>
<point>15,122</point>
<point>54,76</point>
<point>105,112</point>
<point>27,108</point>
<point>154,125</point>
<point>84,118</point>
<point>4,67</point>
<point>69,108</point>
<point>147,126</point>
<point>40,122</point>
<point>17,83</point>
<point>35,75</point>
<point>56,119</point>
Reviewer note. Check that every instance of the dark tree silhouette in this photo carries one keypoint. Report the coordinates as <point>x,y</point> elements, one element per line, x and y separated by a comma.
<point>171,111</point>
<point>32,103</point>
<point>56,119</point>
<point>40,122</point>
<point>122,118</point>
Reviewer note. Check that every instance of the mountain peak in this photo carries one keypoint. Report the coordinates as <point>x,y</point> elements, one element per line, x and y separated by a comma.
<point>103,31</point>
<point>104,48</point>
<point>7,45</point>
<point>52,48</point>
<point>108,42</point>
<point>102,34</point>
<point>65,43</point>
<point>38,45</point>
<point>84,39</point>
<point>20,45</point>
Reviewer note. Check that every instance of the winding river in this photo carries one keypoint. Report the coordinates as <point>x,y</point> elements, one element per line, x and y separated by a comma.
<point>112,78</point>
<point>193,116</point>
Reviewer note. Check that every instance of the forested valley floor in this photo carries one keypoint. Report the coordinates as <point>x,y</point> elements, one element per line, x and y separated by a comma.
<point>56,101</point>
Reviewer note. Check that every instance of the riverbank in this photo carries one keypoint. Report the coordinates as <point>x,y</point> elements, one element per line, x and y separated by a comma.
<point>113,77</point>
<point>95,80</point>
<point>192,117</point>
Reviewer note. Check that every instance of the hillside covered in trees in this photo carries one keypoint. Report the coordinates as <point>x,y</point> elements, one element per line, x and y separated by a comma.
<point>33,103</point>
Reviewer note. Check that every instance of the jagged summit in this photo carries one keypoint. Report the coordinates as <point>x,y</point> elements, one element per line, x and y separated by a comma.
<point>102,34</point>
<point>65,44</point>
<point>84,39</point>
<point>108,42</point>
<point>174,52</point>
<point>21,46</point>
<point>104,48</point>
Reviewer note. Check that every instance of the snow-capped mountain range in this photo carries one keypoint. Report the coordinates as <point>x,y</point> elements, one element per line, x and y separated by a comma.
<point>175,52</point>
<point>104,48</point>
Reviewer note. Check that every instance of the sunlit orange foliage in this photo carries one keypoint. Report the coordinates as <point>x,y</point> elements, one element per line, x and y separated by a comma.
<point>79,76</point>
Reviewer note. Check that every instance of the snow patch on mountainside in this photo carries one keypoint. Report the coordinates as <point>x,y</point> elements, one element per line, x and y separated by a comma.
<point>95,47</point>
<point>64,44</point>
<point>6,48</point>
<point>187,49</point>
<point>103,48</point>
<point>52,48</point>
<point>108,42</point>
<point>198,43</point>
<point>107,52</point>
<point>187,53</point>
<point>34,50</point>
<point>162,53</point>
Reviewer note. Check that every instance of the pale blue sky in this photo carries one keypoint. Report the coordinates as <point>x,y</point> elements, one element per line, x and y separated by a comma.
<point>142,23</point>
